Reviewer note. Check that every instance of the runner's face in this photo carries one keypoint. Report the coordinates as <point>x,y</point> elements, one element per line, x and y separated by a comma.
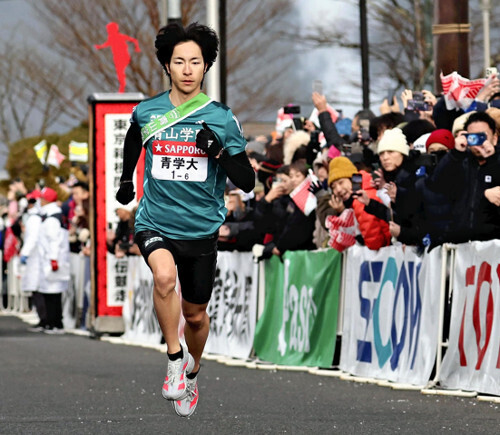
<point>186,68</point>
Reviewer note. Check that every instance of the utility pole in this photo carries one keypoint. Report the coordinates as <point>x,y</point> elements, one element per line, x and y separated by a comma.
<point>170,13</point>
<point>365,68</point>
<point>223,51</point>
<point>486,7</point>
<point>451,39</point>
<point>213,76</point>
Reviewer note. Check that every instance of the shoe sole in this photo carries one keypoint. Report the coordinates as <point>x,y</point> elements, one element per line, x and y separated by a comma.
<point>183,395</point>
<point>182,415</point>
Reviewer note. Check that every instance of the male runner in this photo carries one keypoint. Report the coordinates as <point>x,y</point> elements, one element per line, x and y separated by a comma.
<point>192,145</point>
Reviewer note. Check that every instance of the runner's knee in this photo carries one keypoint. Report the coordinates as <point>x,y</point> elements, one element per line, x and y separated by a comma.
<point>164,283</point>
<point>195,319</point>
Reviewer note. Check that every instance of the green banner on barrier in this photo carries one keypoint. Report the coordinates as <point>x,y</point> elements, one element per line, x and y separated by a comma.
<point>299,323</point>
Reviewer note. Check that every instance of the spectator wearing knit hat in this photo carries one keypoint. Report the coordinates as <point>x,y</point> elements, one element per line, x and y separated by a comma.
<point>432,217</point>
<point>399,165</point>
<point>353,223</point>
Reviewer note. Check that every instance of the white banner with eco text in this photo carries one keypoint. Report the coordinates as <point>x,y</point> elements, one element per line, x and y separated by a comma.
<point>391,314</point>
<point>472,360</point>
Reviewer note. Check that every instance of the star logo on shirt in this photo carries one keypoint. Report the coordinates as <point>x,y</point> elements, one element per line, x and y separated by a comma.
<point>158,147</point>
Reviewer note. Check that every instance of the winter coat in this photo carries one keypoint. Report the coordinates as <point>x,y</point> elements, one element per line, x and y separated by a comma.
<point>460,176</point>
<point>405,178</point>
<point>375,231</point>
<point>366,227</point>
<point>290,229</point>
<point>30,272</point>
<point>53,245</point>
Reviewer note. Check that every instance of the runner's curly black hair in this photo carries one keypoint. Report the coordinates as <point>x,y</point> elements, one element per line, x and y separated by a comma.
<point>174,33</point>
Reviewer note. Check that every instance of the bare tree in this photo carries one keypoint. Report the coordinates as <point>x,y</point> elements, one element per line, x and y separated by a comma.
<point>400,40</point>
<point>50,77</point>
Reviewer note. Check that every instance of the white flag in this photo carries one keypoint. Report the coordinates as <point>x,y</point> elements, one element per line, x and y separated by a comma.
<point>55,157</point>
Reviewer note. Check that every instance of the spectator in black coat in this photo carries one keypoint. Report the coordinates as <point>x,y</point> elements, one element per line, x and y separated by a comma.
<point>470,176</point>
<point>293,230</point>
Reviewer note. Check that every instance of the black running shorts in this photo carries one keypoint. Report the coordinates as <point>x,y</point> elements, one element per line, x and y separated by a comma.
<point>195,259</point>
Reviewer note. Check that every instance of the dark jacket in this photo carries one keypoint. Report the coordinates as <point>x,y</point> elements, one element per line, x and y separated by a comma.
<point>460,176</point>
<point>291,229</point>
<point>405,178</point>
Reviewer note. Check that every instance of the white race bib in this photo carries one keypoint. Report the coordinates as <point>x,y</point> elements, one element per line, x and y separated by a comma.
<point>178,161</point>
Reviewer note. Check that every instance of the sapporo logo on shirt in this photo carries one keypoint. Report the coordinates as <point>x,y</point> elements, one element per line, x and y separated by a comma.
<point>178,161</point>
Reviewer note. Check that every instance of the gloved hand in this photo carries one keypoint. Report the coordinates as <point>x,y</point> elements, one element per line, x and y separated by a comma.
<point>315,187</point>
<point>207,141</point>
<point>54,265</point>
<point>126,192</point>
<point>23,259</point>
<point>268,251</point>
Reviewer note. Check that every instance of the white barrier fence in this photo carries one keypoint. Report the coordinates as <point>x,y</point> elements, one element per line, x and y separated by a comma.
<point>393,307</point>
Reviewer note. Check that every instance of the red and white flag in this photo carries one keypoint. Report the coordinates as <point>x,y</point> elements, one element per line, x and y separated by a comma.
<point>55,157</point>
<point>459,92</point>
<point>303,199</point>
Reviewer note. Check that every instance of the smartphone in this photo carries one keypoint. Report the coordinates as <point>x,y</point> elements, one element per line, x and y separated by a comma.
<point>298,123</point>
<point>390,97</point>
<point>293,110</point>
<point>356,180</point>
<point>475,139</point>
<point>317,86</point>
<point>491,71</point>
<point>417,103</point>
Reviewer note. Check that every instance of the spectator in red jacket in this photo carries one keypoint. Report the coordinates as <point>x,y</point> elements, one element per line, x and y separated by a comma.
<point>353,223</point>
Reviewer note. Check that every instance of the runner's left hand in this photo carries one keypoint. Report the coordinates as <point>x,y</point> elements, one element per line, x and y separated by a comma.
<point>207,141</point>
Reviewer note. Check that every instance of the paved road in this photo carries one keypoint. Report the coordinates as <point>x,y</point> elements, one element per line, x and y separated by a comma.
<point>76,385</point>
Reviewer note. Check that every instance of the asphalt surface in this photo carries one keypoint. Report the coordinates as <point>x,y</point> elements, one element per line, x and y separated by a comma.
<point>73,384</point>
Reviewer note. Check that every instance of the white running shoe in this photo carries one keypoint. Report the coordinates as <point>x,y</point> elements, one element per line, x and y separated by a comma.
<point>174,386</point>
<point>185,407</point>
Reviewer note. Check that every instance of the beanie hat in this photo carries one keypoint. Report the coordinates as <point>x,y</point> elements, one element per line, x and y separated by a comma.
<point>393,140</point>
<point>441,136</point>
<point>48,194</point>
<point>340,167</point>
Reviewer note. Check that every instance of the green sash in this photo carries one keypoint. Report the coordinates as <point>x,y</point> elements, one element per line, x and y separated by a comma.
<point>174,116</point>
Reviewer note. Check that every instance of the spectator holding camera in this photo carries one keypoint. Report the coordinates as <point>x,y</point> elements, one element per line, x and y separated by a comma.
<point>470,176</point>
<point>120,242</point>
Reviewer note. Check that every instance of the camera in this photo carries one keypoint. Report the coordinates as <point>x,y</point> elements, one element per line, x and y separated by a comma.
<point>427,160</point>
<point>417,103</point>
<point>475,139</point>
<point>356,181</point>
<point>365,135</point>
<point>291,110</point>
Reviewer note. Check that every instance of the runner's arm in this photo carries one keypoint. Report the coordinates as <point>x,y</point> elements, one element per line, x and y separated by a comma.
<point>131,151</point>
<point>238,169</point>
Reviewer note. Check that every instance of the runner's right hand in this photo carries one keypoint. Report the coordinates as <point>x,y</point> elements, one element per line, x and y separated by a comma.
<point>125,193</point>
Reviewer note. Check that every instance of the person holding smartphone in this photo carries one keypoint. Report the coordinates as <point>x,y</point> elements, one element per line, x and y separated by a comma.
<point>353,223</point>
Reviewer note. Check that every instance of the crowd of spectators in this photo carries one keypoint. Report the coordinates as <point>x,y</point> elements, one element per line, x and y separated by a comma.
<point>419,174</point>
